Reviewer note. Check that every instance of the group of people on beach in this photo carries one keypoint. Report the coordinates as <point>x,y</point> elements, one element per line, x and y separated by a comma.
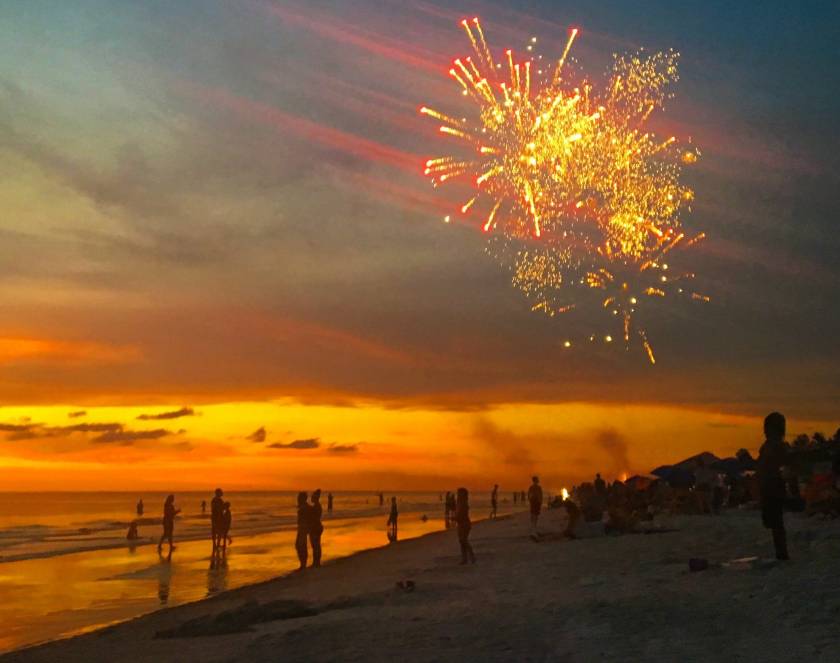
<point>703,489</point>
<point>772,488</point>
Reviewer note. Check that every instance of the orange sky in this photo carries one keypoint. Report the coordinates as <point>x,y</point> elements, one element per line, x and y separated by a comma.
<point>286,445</point>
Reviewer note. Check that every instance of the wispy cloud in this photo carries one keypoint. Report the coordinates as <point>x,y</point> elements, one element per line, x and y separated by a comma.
<point>128,437</point>
<point>258,435</point>
<point>21,349</point>
<point>308,443</point>
<point>343,448</point>
<point>174,414</point>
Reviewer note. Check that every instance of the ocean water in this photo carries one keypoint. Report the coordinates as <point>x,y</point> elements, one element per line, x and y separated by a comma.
<point>67,568</point>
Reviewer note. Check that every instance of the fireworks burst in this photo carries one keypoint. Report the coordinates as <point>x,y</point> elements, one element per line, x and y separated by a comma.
<point>577,197</point>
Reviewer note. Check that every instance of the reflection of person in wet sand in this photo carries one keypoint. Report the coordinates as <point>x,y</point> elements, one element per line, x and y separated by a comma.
<point>164,578</point>
<point>304,519</point>
<point>392,521</point>
<point>316,528</point>
<point>217,573</point>
<point>169,513</point>
<point>462,518</point>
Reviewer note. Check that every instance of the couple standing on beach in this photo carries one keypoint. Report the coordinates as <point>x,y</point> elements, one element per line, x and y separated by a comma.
<point>220,520</point>
<point>309,527</point>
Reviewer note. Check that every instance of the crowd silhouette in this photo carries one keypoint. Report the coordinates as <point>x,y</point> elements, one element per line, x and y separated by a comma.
<point>703,484</point>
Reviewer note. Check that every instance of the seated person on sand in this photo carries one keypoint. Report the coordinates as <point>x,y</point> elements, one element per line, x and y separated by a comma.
<point>573,513</point>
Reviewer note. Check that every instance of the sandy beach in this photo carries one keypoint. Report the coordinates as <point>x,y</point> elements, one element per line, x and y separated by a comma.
<point>597,598</point>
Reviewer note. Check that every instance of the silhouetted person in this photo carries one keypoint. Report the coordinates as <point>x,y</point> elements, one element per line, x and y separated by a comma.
<point>169,513</point>
<point>140,507</point>
<point>600,485</point>
<point>224,526</point>
<point>316,528</point>
<point>216,507</point>
<point>392,521</point>
<point>771,458</point>
<point>329,502</point>
<point>203,507</point>
<point>515,498</point>
<point>535,498</point>
<point>449,509</point>
<point>304,522</point>
<point>494,501</point>
<point>462,518</point>
<point>381,499</point>
<point>132,534</point>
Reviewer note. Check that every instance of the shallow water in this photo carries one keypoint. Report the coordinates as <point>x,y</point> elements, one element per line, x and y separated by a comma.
<point>55,594</point>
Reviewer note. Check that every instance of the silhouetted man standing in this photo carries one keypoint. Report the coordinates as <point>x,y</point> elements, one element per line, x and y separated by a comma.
<point>329,502</point>
<point>217,505</point>
<point>169,513</point>
<point>317,528</point>
<point>392,521</point>
<point>462,518</point>
<point>771,458</point>
<point>494,501</point>
<point>304,523</point>
<point>600,486</point>
<point>535,498</point>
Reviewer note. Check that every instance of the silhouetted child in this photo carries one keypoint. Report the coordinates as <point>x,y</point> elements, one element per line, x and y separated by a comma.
<point>304,522</point>
<point>535,498</point>
<point>462,518</point>
<point>494,501</point>
<point>169,513</point>
<point>771,458</point>
<point>392,521</point>
<point>203,507</point>
<point>316,528</point>
<point>224,526</point>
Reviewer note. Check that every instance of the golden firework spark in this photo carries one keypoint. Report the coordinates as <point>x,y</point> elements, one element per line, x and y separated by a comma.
<point>575,191</point>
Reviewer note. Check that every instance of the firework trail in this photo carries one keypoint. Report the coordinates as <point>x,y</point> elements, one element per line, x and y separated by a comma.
<point>577,197</point>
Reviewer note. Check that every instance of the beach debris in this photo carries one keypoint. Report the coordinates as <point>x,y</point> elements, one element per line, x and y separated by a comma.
<point>742,563</point>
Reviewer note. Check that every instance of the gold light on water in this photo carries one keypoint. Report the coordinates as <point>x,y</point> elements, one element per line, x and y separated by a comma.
<point>573,189</point>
